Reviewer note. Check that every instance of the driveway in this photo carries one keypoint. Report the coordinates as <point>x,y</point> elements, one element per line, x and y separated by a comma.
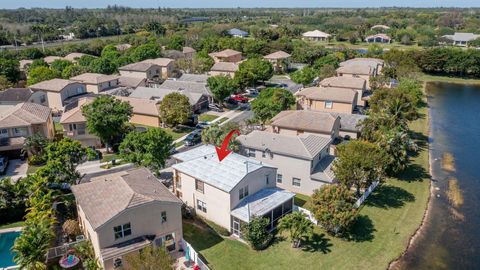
<point>291,86</point>
<point>16,169</point>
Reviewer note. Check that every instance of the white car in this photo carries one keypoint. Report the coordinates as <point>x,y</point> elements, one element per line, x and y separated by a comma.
<point>252,92</point>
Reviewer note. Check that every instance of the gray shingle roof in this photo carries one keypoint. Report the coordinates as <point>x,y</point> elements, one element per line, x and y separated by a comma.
<point>223,175</point>
<point>261,203</point>
<point>130,81</point>
<point>349,122</point>
<point>237,32</point>
<point>140,66</point>
<point>108,195</point>
<point>323,171</point>
<point>54,85</point>
<point>199,78</point>
<point>159,93</point>
<point>15,94</point>
<point>193,87</point>
<point>305,146</point>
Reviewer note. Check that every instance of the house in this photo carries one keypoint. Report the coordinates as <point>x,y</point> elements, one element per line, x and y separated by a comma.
<point>378,38</point>
<point>59,92</point>
<point>166,65</point>
<point>198,101</point>
<point>461,39</point>
<point>188,86</point>
<point>231,192</point>
<point>223,69</point>
<point>145,112</point>
<point>349,124</point>
<point>316,35</point>
<point>235,32</point>
<point>131,82</point>
<point>354,83</point>
<point>327,99</point>
<point>306,122</point>
<point>73,57</point>
<point>227,55</point>
<point>143,70</point>
<point>304,162</point>
<point>280,60</point>
<point>96,82</point>
<point>123,212</point>
<point>188,52</point>
<point>50,59</point>
<point>23,120</point>
<point>13,96</point>
<point>75,125</point>
<point>375,64</point>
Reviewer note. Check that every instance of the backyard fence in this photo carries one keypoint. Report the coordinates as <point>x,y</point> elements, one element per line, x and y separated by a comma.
<point>59,251</point>
<point>367,192</point>
<point>194,256</point>
<point>308,214</point>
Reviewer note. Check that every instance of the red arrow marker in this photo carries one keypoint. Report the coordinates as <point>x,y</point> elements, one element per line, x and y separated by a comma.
<point>224,152</point>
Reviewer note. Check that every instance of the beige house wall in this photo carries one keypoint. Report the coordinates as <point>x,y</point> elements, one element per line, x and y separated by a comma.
<point>319,105</point>
<point>151,73</point>
<point>255,181</point>
<point>167,70</point>
<point>144,220</point>
<point>366,77</point>
<point>295,132</point>
<point>87,139</point>
<point>146,120</point>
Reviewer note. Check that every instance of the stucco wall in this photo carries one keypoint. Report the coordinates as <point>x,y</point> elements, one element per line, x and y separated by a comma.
<point>221,73</point>
<point>146,120</point>
<point>319,105</point>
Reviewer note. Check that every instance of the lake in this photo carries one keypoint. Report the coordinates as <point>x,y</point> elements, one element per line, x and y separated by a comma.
<point>451,238</point>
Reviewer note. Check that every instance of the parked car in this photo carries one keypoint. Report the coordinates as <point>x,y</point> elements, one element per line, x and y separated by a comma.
<point>215,107</point>
<point>231,101</point>
<point>251,92</point>
<point>3,164</point>
<point>202,125</point>
<point>193,138</point>
<point>240,98</point>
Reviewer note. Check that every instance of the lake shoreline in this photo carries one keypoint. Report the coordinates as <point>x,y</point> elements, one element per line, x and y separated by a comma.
<point>422,227</point>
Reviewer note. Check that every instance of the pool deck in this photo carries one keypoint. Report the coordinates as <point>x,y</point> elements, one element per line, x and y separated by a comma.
<point>14,229</point>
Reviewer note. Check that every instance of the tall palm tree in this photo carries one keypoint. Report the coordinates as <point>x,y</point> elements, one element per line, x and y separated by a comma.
<point>34,145</point>
<point>298,226</point>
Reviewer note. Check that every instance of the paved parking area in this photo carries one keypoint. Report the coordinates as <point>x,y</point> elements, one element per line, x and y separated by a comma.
<point>16,168</point>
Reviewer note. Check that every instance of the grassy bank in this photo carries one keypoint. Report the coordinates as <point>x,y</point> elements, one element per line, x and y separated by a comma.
<point>387,221</point>
<point>12,225</point>
<point>435,78</point>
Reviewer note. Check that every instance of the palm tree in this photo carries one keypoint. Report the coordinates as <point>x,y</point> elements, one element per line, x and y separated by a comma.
<point>34,145</point>
<point>31,246</point>
<point>298,227</point>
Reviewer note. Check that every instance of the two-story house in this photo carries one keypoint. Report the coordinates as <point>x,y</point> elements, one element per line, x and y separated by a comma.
<point>58,91</point>
<point>123,212</point>
<point>143,70</point>
<point>305,122</point>
<point>327,99</point>
<point>304,162</point>
<point>229,192</point>
<point>21,121</point>
<point>280,60</point>
<point>145,111</point>
<point>13,96</point>
<point>96,82</point>
<point>361,68</point>
<point>198,101</point>
<point>166,66</point>
<point>223,69</point>
<point>353,83</point>
<point>75,125</point>
<point>227,55</point>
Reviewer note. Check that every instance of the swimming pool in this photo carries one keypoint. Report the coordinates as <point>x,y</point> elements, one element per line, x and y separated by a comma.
<point>6,243</point>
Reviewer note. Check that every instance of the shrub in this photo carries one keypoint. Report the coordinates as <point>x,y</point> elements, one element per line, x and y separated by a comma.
<point>256,234</point>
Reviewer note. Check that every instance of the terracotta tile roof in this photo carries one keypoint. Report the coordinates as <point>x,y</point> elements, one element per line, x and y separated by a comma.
<point>94,78</point>
<point>107,196</point>
<point>344,82</point>
<point>225,66</point>
<point>225,53</point>
<point>142,106</point>
<point>24,114</point>
<point>312,121</point>
<point>342,95</point>
<point>163,62</point>
<point>54,85</point>
<point>139,66</point>
<point>277,55</point>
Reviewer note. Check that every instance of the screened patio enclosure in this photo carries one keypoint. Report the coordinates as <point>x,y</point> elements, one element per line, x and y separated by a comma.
<point>270,203</point>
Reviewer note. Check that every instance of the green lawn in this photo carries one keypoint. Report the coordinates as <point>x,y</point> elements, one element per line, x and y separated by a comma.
<point>434,78</point>
<point>12,225</point>
<point>207,117</point>
<point>364,45</point>
<point>33,168</point>
<point>386,222</point>
<point>175,135</point>
<point>109,157</point>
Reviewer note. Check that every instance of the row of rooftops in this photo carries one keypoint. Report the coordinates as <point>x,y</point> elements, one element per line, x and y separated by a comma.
<point>23,114</point>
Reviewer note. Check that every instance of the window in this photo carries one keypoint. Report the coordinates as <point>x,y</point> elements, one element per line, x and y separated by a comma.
<point>3,132</point>
<point>117,263</point>
<point>122,231</point>
<point>20,131</point>
<point>164,216</point>
<point>201,206</point>
<point>267,181</point>
<point>264,154</point>
<point>72,127</point>
<point>328,104</point>
<point>251,152</point>
<point>243,192</point>
<point>296,182</point>
<point>81,129</point>
<point>199,186</point>
<point>279,178</point>
<point>42,99</point>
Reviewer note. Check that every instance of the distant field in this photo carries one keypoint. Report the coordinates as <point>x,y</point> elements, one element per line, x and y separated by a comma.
<point>435,78</point>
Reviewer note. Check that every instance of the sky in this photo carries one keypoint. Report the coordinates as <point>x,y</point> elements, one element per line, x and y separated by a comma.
<point>10,4</point>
